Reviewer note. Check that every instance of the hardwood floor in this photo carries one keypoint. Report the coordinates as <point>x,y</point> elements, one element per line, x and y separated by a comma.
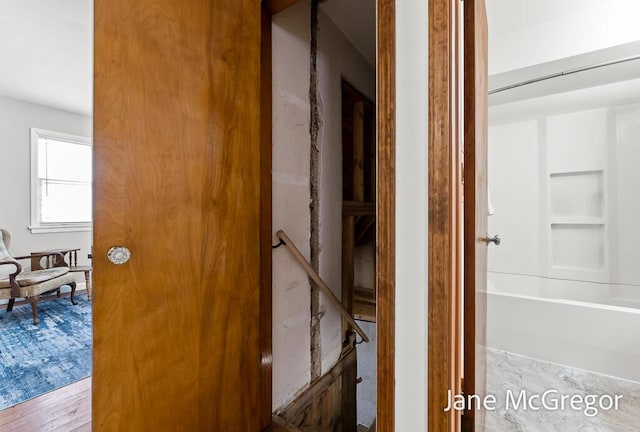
<point>67,409</point>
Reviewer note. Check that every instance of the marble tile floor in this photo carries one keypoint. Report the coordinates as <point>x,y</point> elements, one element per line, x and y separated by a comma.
<point>508,371</point>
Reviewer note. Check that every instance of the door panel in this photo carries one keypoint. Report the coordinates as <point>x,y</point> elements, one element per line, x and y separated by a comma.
<point>476,203</point>
<point>177,181</point>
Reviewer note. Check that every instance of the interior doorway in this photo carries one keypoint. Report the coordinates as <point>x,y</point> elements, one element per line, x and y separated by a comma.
<point>551,112</point>
<point>46,194</point>
<point>326,197</point>
<point>568,251</point>
<point>124,331</point>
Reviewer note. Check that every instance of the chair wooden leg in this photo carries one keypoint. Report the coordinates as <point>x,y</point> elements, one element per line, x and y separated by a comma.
<point>73,293</point>
<point>34,308</point>
<point>87,278</point>
<point>10,305</point>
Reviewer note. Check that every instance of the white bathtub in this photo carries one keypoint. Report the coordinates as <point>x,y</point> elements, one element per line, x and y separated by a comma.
<point>586,329</point>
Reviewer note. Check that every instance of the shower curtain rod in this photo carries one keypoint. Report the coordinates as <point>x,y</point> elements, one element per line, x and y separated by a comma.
<point>564,73</point>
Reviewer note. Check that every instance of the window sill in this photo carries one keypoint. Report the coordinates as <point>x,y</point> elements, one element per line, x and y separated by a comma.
<point>60,228</point>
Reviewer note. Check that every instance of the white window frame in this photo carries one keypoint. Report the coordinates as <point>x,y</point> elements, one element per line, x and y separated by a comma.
<point>37,227</point>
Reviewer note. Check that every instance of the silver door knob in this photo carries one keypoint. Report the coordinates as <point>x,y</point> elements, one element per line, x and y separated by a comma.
<point>495,239</point>
<point>119,255</point>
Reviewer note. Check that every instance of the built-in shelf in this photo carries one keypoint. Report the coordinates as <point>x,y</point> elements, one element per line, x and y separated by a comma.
<point>577,194</point>
<point>576,221</point>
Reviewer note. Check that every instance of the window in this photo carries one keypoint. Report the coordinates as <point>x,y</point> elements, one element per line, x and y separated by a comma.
<point>61,176</point>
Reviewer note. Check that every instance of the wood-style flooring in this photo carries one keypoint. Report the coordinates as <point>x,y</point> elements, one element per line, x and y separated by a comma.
<point>67,409</point>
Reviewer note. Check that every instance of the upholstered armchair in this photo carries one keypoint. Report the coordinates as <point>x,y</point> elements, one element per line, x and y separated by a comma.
<point>31,284</point>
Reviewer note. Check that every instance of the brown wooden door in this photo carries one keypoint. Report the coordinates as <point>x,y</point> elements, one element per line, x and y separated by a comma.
<point>475,206</point>
<point>177,182</point>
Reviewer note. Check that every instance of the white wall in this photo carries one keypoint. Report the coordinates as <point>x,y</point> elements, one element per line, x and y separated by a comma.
<point>291,300</point>
<point>411,215</point>
<point>627,212</point>
<point>563,188</point>
<point>524,33</point>
<point>16,119</point>
<point>515,188</point>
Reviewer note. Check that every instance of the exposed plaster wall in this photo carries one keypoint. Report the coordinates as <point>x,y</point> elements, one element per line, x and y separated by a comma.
<point>16,119</point>
<point>291,195</point>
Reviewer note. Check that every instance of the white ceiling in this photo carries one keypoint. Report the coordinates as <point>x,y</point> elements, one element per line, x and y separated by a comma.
<point>357,20</point>
<point>46,47</point>
<point>46,52</point>
<point>523,33</point>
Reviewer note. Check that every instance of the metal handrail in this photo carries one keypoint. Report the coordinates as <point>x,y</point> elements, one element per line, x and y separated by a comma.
<point>321,284</point>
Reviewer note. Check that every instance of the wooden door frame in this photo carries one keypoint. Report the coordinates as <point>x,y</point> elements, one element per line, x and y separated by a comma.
<point>385,208</point>
<point>451,227</point>
<point>445,211</point>
<point>386,213</point>
<point>266,289</point>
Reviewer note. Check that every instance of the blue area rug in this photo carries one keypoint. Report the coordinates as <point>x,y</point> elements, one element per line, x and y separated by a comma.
<point>37,359</point>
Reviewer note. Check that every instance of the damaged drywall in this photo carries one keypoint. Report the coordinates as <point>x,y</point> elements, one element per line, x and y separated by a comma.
<point>314,187</point>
